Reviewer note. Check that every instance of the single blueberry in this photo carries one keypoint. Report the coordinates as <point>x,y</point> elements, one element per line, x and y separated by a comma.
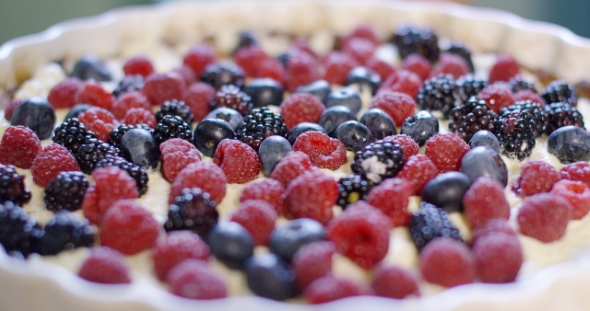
<point>446,191</point>
<point>265,91</point>
<point>37,114</point>
<point>271,277</point>
<point>420,127</point>
<point>379,123</point>
<point>231,244</point>
<point>486,139</point>
<point>334,116</point>
<point>483,161</point>
<point>232,116</point>
<point>320,89</point>
<point>354,135</point>
<point>139,146</point>
<point>345,96</point>
<point>569,144</point>
<point>91,67</point>
<point>271,151</point>
<point>77,110</point>
<point>287,239</point>
<point>246,39</point>
<point>302,128</point>
<point>209,133</point>
<point>364,78</point>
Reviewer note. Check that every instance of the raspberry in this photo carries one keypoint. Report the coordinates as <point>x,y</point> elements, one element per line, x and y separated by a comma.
<point>577,171</point>
<point>301,107</point>
<point>364,31</point>
<point>418,170</point>
<point>360,49</point>
<point>137,116</point>
<point>403,81</point>
<point>195,279</point>
<point>329,288</point>
<point>535,177</point>
<point>99,121</point>
<point>51,160</point>
<point>268,190</point>
<point>205,175</point>
<point>239,162</point>
<point>138,65</point>
<point>497,96</point>
<point>312,261</point>
<point>134,170</point>
<point>271,68</point>
<point>176,154</point>
<point>198,98</point>
<point>361,233</point>
<point>446,151</point>
<point>10,108</point>
<point>311,195</point>
<point>323,151</point>
<point>301,69</point>
<point>496,226</point>
<point>447,262</point>
<point>128,227</point>
<point>382,68</point>
<point>394,282</point>
<point>337,66</point>
<point>105,266</point>
<point>449,63</point>
<point>258,217</point>
<point>174,248</point>
<point>19,146</point>
<point>160,87</point>
<point>544,216</point>
<point>525,95</point>
<point>250,58</point>
<point>398,106</point>
<point>92,93</point>
<point>63,94</point>
<point>409,145</point>
<point>485,200</point>
<point>577,194</point>
<point>498,258</point>
<point>127,101</point>
<point>392,197</point>
<point>199,56</point>
<point>291,166</point>
<point>417,64</point>
<point>504,69</point>
<point>186,73</point>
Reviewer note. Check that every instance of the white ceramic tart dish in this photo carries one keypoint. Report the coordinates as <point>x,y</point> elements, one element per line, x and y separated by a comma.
<point>121,33</point>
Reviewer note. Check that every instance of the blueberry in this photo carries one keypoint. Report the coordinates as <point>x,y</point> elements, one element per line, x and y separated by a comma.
<point>486,139</point>
<point>320,89</point>
<point>446,191</point>
<point>271,277</point>
<point>354,135</point>
<point>264,92</point>
<point>77,110</point>
<point>139,146</point>
<point>287,239</point>
<point>232,116</point>
<point>91,67</point>
<point>209,133</point>
<point>483,161</point>
<point>364,78</point>
<point>420,127</point>
<point>345,96</point>
<point>379,123</point>
<point>231,244</point>
<point>271,151</point>
<point>246,39</point>
<point>37,114</point>
<point>302,128</point>
<point>334,116</point>
<point>569,144</point>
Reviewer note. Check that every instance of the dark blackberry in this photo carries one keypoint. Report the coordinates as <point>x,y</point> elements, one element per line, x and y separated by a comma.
<point>540,115</point>
<point>560,91</point>
<point>175,108</point>
<point>117,134</point>
<point>246,39</point>
<point>65,191</point>
<point>411,39</point>
<point>192,210</point>
<point>135,171</point>
<point>430,222</point>
<point>230,96</point>
<point>260,124</point>
<point>468,86</point>
<point>12,186</point>
<point>71,133</point>
<point>66,231</point>
<point>92,151</point>
<point>172,127</point>
<point>515,130</point>
<point>129,84</point>
<point>518,84</point>
<point>471,117</point>
<point>219,74</point>
<point>19,233</point>
<point>562,114</point>
<point>438,94</point>
<point>461,50</point>
<point>378,160</point>
<point>352,188</point>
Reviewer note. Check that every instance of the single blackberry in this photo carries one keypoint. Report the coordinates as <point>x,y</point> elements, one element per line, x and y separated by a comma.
<point>560,91</point>
<point>12,186</point>
<point>518,84</point>
<point>192,210</point>
<point>71,133</point>
<point>219,74</point>
<point>540,115</point>
<point>129,84</point>
<point>411,39</point>
<point>19,233</point>
<point>468,86</point>
<point>562,114</point>
<point>175,108</point>
<point>378,160</point>
<point>438,94</point>
<point>515,130</point>
<point>352,188</point>
<point>461,50</point>
<point>430,222</point>
<point>65,191</point>
<point>172,127</point>
<point>66,231</point>
<point>260,124</point>
<point>135,171</point>
<point>117,134</point>
<point>230,96</point>
<point>471,117</point>
<point>92,151</point>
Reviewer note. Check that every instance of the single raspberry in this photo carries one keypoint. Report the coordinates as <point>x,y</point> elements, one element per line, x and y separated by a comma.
<point>360,49</point>
<point>417,64</point>
<point>160,87</point>
<point>382,68</point>
<point>446,151</point>
<point>497,96</point>
<point>63,94</point>
<point>271,68</point>
<point>485,200</point>
<point>302,68</point>
<point>13,189</point>
<point>105,265</point>
<point>392,197</point>
<point>301,107</point>
<point>174,248</point>
<point>51,160</point>
<point>199,97</point>
<point>418,170</point>
<point>134,170</point>
<point>496,226</point>
<point>92,93</point>
<point>239,162</point>
<point>250,58</point>
<point>137,116</point>
<point>19,146</point>
<point>123,103</point>
<point>195,279</point>
<point>312,261</point>
<point>323,151</point>
<point>397,105</point>
<point>192,210</point>
<point>361,233</point>
<point>449,63</point>
<point>505,68</point>
<point>199,56</point>
<point>447,262</point>
<point>138,65</point>
<point>311,195</point>
<point>535,177</point>
<point>576,171</point>
<point>176,154</point>
<point>498,258</point>
<point>576,193</point>
<point>258,217</point>
<point>205,175</point>
<point>409,145</point>
<point>364,31</point>
<point>525,95</point>
<point>186,73</point>
<point>395,282</point>
<point>10,108</point>
<point>291,166</point>
<point>99,121</point>
<point>268,190</point>
<point>337,66</point>
<point>544,216</point>
<point>402,81</point>
<point>329,288</point>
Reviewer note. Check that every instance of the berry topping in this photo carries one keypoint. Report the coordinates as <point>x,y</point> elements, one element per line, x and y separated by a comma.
<point>468,86</point>
<point>329,288</point>
<point>140,116</point>
<point>195,279</point>
<point>452,64</point>
<point>446,151</point>
<point>382,68</point>
<point>301,69</point>
<point>485,139</point>
<point>138,65</point>
<point>287,239</point>
<point>409,146</point>
<point>535,177</point>
<point>505,68</point>
<point>99,121</point>
<point>210,132</point>
<point>312,261</point>
<point>239,162</point>
<point>576,171</point>
<point>231,116</point>
<point>496,96</point>
<point>90,67</point>
<point>271,151</point>
<point>544,216</point>
<point>576,193</point>
<point>496,226</point>
<point>337,65</point>
<point>192,210</point>
<point>484,201</point>
<point>135,171</point>
<point>258,217</point>
<point>379,160</point>
<point>438,94</point>
<point>128,84</point>
<point>411,39</point>
<point>11,107</point>
<point>12,186</point>
<point>420,127</point>
<point>301,107</point>
<point>291,166</point>
<point>351,189</point>
<point>231,244</point>
<point>139,147</point>
<point>249,58</point>
<point>417,64</point>
<point>418,170</point>
<point>446,191</point>
<point>19,233</point>
<point>460,49</point>
<point>199,98</point>
<point>160,87</point>
<point>518,84</point>
<point>265,92</point>
<point>205,175</point>
<point>471,117</point>
<point>93,93</point>
<point>394,282</point>
<point>177,154</point>
<point>176,247</point>
<point>199,56</point>
<point>172,127</point>
<point>354,135</point>
<point>360,49</point>
<point>232,97</point>
<point>323,151</point>
<point>345,96</point>
<point>447,262</point>
<point>562,114</point>
<point>528,95</point>
<point>570,144</point>
<point>117,134</point>
<point>402,81</point>
<point>270,277</point>
<point>65,191</point>
<point>498,258</point>
<point>129,100</point>
<point>392,197</point>
<point>268,190</point>
<point>332,117</point>
<point>515,129</point>
<point>92,151</point>
<point>320,89</point>
<point>429,223</point>
<point>311,195</point>
<point>66,231</point>
<point>560,91</point>
<point>220,74</point>
<point>540,115</point>
<point>50,161</point>
<point>37,114</point>
<point>379,123</point>
<point>483,161</point>
<point>19,147</point>
<point>105,265</point>
<point>63,94</point>
<point>259,124</point>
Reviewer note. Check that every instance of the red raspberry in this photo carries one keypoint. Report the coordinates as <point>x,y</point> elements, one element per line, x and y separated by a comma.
<point>92,93</point>
<point>496,96</point>
<point>418,170</point>
<point>337,66</point>
<point>195,279</point>
<point>447,262</point>
<point>204,175</point>
<point>249,58</point>
<point>100,121</point>
<point>175,247</point>
<point>408,144</point>
<point>19,146</point>
<point>199,56</point>
<point>198,98</point>
<point>504,69</point>
<point>258,217</point>
<point>290,167</point>
<point>10,108</point>
<point>301,107</point>
<point>395,282</point>
<point>311,195</point>
<point>302,68</point>
<point>392,197</point>
<point>160,87</point>
<point>397,105</point>
<point>544,216</point>
<point>127,101</point>
<point>238,160</point>
<point>176,154</point>
<point>494,226</point>
<point>382,68</point>
<point>449,63</point>
<point>361,233</point>
<point>417,64</point>
<point>50,161</point>
<point>576,171</point>
<point>137,116</point>
<point>403,81</point>
<point>312,261</point>
<point>271,68</point>
<point>485,200</point>
<point>364,31</point>
<point>323,151</point>
<point>577,194</point>
<point>186,73</point>
<point>498,258</point>
<point>105,266</point>
<point>329,288</point>
<point>138,65</point>
<point>528,95</point>
<point>446,151</point>
<point>63,95</point>
<point>302,45</point>
<point>360,49</point>
<point>535,177</point>
<point>268,190</point>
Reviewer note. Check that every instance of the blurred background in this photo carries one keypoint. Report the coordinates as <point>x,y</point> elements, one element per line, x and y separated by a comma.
<point>23,17</point>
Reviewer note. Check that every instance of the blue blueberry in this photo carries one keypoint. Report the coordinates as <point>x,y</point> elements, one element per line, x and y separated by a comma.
<point>271,151</point>
<point>364,78</point>
<point>91,67</point>
<point>334,116</point>
<point>77,110</point>
<point>420,127</point>
<point>271,277</point>
<point>379,123</point>
<point>287,239</point>
<point>139,146</point>
<point>302,128</point>
<point>231,244</point>
<point>446,191</point>
<point>569,144</point>
<point>320,89</point>
<point>354,135</point>
<point>345,96</point>
<point>232,116</point>
<point>37,114</point>
<point>264,92</point>
<point>209,133</point>
<point>246,39</point>
<point>483,161</point>
<point>486,139</point>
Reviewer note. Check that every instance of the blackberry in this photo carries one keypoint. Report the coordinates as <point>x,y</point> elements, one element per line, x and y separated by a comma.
<point>540,115</point>
<point>219,74</point>
<point>461,50</point>
<point>175,108</point>
<point>518,84</point>
<point>438,94</point>
<point>129,84</point>
<point>411,39</point>
<point>135,171</point>
<point>65,191</point>
<point>172,127</point>
<point>66,231</point>
<point>92,151</point>
<point>562,114</point>
<point>117,134</point>
<point>468,86</point>
<point>12,186</point>
<point>71,133</point>
<point>260,124</point>
<point>378,160</point>
<point>19,233</point>
<point>246,39</point>
<point>515,130</point>
<point>560,91</point>
<point>471,117</point>
<point>192,210</point>
<point>430,222</point>
<point>351,189</point>
<point>230,96</point>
